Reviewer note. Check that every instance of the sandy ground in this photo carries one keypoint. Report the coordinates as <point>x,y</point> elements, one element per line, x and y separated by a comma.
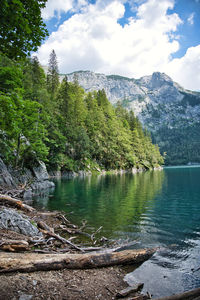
<point>66,284</point>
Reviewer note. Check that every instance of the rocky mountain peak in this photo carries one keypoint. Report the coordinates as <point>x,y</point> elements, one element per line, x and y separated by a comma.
<point>156,81</point>
<point>163,106</point>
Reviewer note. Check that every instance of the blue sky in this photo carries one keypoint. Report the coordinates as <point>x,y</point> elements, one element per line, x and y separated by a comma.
<point>131,38</point>
<point>189,30</point>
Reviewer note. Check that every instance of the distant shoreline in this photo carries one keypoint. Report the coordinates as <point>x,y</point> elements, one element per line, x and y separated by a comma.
<point>182,166</point>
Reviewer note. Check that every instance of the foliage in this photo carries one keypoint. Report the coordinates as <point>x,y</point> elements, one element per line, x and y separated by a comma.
<point>52,75</point>
<point>41,119</point>
<point>179,145</point>
<point>22,118</point>
<point>22,29</point>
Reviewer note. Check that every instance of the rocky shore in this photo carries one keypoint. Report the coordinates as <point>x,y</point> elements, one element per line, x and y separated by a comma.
<point>28,236</point>
<point>25,182</point>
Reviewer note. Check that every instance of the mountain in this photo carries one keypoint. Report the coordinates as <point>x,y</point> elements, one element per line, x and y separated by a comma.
<point>167,110</point>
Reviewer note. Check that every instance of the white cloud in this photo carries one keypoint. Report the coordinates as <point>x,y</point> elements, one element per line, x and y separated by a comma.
<point>186,70</point>
<point>54,8</point>
<point>94,40</point>
<point>190,19</point>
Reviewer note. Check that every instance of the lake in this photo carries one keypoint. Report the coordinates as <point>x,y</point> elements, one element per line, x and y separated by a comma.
<point>154,208</point>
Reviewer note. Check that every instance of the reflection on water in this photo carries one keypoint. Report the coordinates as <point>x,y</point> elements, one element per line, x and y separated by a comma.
<point>112,201</point>
<point>174,225</point>
<point>160,208</point>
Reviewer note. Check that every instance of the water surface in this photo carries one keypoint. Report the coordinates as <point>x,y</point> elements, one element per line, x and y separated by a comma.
<point>159,208</point>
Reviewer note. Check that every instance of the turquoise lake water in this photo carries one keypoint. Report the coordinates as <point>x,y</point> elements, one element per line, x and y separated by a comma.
<point>158,208</point>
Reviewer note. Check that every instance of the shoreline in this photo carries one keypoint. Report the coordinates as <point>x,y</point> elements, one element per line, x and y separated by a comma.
<point>81,173</point>
<point>97,283</point>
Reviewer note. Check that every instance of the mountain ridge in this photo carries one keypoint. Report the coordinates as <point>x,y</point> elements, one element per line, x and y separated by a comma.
<point>160,104</point>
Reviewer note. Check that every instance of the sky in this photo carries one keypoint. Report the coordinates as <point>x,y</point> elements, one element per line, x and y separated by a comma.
<point>130,38</point>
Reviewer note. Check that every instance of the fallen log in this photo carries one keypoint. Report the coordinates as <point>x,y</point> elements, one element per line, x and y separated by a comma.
<point>29,262</point>
<point>15,202</point>
<point>192,294</point>
<point>13,245</point>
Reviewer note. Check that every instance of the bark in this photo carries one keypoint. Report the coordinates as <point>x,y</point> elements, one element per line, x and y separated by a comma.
<point>14,245</point>
<point>192,294</point>
<point>29,262</point>
<point>15,202</point>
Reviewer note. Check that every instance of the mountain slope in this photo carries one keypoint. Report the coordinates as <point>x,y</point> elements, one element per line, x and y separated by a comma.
<point>171,113</point>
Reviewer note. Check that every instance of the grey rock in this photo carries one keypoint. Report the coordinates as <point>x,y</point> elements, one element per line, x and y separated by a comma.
<point>5,176</point>
<point>12,220</point>
<point>40,185</point>
<point>25,297</point>
<point>160,103</point>
<point>21,176</point>
<point>28,194</point>
<point>155,89</point>
<point>34,282</point>
<point>37,179</point>
<point>69,174</point>
<point>55,174</point>
<point>40,171</point>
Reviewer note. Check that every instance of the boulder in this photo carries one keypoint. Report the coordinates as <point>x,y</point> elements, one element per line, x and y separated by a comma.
<point>12,220</point>
<point>55,174</point>
<point>40,172</point>
<point>40,185</point>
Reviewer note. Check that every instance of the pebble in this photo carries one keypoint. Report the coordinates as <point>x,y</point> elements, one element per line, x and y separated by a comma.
<point>25,297</point>
<point>34,282</point>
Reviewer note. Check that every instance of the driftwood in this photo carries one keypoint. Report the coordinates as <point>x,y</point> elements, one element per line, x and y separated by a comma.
<point>48,213</point>
<point>29,262</point>
<point>129,290</point>
<point>15,202</point>
<point>74,231</point>
<point>44,228</point>
<point>192,294</point>
<point>13,245</point>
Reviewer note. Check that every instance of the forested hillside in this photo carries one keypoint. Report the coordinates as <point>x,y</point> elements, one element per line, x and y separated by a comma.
<point>169,112</point>
<point>60,124</point>
<point>42,119</point>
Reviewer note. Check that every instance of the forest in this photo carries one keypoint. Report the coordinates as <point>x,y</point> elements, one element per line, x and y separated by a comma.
<point>60,124</point>
<point>43,119</point>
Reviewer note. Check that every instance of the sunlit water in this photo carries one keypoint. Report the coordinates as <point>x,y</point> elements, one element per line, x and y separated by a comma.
<point>160,208</point>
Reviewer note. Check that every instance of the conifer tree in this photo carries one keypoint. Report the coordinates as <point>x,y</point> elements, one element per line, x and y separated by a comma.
<point>52,75</point>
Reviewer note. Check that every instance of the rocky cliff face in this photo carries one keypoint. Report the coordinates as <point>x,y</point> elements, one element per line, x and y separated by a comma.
<point>34,180</point>
<point>163,107</point>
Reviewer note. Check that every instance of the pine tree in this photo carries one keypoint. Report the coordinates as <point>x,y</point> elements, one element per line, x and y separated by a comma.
<point>52,75</point>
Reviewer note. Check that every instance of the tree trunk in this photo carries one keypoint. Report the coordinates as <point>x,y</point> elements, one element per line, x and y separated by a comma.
<point>13,245</point>
<point>15,202</point>
<point>29,262</point>
<point>18,147</point>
